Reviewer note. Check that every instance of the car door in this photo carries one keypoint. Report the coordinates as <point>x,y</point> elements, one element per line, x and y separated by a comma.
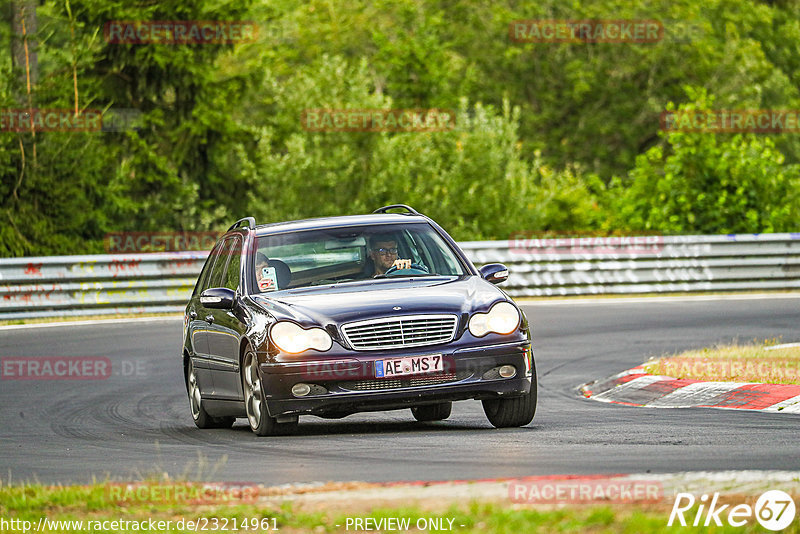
<point>225,330</point>
<point>206,315</point>
<point>197,328</point>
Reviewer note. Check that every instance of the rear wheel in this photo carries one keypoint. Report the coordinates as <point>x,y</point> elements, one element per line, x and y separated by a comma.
<point>516,411</point>
<point>255,403</point>
<point>199,414</point>
<point>432,412</point>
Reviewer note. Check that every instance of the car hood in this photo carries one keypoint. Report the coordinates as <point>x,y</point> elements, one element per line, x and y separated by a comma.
<point>356,301</point>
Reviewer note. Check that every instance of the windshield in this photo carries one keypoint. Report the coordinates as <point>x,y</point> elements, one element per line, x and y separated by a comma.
<point>346,254</point>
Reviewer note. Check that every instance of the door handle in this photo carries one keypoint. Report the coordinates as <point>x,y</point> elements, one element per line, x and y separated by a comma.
<point>209,318</point>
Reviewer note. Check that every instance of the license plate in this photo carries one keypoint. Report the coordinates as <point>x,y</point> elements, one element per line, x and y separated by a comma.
<point>411,365</point>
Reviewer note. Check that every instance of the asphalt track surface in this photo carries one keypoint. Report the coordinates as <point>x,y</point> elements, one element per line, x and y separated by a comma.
<point>137,422</point>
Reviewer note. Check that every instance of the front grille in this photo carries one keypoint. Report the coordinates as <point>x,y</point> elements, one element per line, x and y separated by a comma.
<point>395,332</point>
<point>396,383</point>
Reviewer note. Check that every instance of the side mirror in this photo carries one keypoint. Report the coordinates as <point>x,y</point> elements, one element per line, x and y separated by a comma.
<point>494,273</point>
<point>218,298</point>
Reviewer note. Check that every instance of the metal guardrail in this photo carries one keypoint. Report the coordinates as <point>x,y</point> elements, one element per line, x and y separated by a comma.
<point>162,282</point>
<point>645,264</point>
<point>97,285</point>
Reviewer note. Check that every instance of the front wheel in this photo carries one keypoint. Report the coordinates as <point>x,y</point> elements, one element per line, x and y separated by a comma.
<point>199,414</point>
<point>255,404</point>
<point>516,411</point>
<point>432,412</point>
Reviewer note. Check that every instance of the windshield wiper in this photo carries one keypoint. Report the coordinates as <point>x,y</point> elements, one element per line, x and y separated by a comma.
<point>405,275</point>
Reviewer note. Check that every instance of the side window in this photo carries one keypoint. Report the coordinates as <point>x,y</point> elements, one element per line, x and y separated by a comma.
<point>217,272</point>
<point>232,272</point>
<point>202,280</point>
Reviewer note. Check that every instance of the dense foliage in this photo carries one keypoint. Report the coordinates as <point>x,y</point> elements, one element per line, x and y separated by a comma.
<point>550,138</point>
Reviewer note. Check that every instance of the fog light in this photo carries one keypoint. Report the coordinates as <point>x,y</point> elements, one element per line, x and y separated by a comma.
<point>301,390</point>
<point>507,371</point>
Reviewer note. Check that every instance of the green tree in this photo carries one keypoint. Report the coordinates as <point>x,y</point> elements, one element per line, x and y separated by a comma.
<point>708,183</point>
<point>473,179</point>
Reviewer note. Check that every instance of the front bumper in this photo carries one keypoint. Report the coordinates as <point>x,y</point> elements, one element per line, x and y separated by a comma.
<point>343,385</point>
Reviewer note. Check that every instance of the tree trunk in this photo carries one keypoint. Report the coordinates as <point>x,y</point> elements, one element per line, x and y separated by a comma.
<point>23,42</point>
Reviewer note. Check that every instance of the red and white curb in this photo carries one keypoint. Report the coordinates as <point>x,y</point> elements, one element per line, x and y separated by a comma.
<point>636,387</point>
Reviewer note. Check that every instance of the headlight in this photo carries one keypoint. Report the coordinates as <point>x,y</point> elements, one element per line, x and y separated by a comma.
<point>502,318</point>
<point>293,339</point>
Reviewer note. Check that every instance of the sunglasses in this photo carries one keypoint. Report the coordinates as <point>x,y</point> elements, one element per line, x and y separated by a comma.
<point>385,251</point>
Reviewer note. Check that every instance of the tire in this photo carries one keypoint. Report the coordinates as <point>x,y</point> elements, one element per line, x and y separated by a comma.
<point>255,402</point>
<point>516,411</point>
<point>432,412</point>
<point>199,414</point>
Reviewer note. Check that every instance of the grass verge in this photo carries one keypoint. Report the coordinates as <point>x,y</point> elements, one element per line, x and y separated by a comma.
<point>95,506</point>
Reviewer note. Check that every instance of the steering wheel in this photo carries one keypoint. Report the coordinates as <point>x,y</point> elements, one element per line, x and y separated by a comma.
<point>416,268</point>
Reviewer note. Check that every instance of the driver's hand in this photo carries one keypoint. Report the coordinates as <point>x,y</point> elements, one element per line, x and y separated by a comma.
<point>402,264</point>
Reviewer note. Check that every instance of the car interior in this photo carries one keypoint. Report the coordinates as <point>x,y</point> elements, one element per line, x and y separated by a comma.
<point>342,255</point>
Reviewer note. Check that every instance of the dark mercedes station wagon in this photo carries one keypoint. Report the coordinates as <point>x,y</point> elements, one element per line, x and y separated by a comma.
<point>339,315</point>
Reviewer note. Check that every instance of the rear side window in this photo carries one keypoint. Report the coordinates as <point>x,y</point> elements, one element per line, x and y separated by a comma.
<point>218,270</point>
<point>202,281</point>
<point>234,265</point>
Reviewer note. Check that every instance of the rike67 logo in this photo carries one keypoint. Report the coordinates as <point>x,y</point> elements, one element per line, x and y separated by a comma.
<point>774,510</point>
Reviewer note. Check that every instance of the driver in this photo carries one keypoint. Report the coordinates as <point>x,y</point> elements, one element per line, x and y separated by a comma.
<point>383,251</point>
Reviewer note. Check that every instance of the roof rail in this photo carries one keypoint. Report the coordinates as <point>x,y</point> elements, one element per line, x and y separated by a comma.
<point>251,223</point>
<point>385,209</point>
